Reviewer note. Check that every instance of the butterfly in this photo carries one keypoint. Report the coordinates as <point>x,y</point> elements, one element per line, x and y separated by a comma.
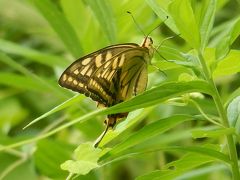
<point>110,76</point>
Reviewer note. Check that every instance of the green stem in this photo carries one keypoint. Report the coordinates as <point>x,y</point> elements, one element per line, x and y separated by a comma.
<point>223,115</point>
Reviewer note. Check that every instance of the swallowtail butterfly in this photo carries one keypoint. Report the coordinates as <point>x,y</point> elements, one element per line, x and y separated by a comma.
<point>111,75</point>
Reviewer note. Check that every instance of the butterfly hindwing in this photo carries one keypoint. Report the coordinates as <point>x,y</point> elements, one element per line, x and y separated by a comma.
<point>115,80</point>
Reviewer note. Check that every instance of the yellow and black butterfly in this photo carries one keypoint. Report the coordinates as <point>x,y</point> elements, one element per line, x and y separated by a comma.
<point>111,75</point>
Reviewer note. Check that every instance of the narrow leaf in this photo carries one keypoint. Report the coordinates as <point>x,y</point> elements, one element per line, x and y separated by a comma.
<point>212,133</point>
<point>19,67</point>
<point>21,82</point>
<point>32,55</point>
<point>65,104</point>
<point>183,16</point>
<point>207,20</point>
<point>159,94</point>
<point>61,25</point>
<point>231,32</point>
<point>160,8</point>
<point>178,167</point>
<point>103,13</point>
<point>149,131</point>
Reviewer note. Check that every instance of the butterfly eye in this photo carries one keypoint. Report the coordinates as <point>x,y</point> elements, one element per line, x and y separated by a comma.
<point>151,40</point>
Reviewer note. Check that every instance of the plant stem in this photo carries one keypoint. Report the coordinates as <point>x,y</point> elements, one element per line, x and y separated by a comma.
<point>223,115</point>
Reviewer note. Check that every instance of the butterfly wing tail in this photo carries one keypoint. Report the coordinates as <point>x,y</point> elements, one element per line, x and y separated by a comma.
<point>110,123</point>
<point>99,139</point>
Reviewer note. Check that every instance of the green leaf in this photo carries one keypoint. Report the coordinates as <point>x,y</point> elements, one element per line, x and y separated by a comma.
<point>183,16</point>
<point>49,154</point>
<point>77,13</point>
<point>212,133</point>
<point>103,13</point>
<point>229,65</point>
<point>160,8</point>
<point>21,167</point>
<point>233,113</point>
<point>148,98</point>
<point>159,94</point>
<point>133,118</point>
<point>21,82</point>
<point>11,114</point>
<point>188,60</point>
<point>61,25</point>
<point>206,20</point>
<point>65,104</point>
<point>19,67</point>
<point>149,131</point>
<point>231,32</point>
<point>210,150</point>
<point>174,169</point>
<point>163,92</point>
<point>86,159</point>
<point>209,56</point>
<point>87,152</point>
<point>79,167</point>
<point>232,96</point>
<point>31,54</point>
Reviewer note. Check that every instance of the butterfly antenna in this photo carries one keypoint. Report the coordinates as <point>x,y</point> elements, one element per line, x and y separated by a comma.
<point>164,40</point>
<point>159,69</point>
<point>157,26</point>
<point>135,22</point>
<point>160,54</point>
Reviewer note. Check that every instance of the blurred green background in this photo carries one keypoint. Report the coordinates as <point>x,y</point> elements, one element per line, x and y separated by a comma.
<point>39,39</point>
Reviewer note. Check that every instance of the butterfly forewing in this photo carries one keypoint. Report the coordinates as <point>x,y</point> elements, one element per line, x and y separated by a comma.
<point>78,75</point>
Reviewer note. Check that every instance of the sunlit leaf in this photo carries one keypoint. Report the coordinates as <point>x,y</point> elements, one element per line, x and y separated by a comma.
<point>86,159</point>
<point>183,16</point>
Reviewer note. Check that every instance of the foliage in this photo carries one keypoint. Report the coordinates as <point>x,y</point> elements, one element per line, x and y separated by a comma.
<point>184,126</point>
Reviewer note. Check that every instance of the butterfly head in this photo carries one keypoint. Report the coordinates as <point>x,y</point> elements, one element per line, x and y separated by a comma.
<point>148,43</point>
